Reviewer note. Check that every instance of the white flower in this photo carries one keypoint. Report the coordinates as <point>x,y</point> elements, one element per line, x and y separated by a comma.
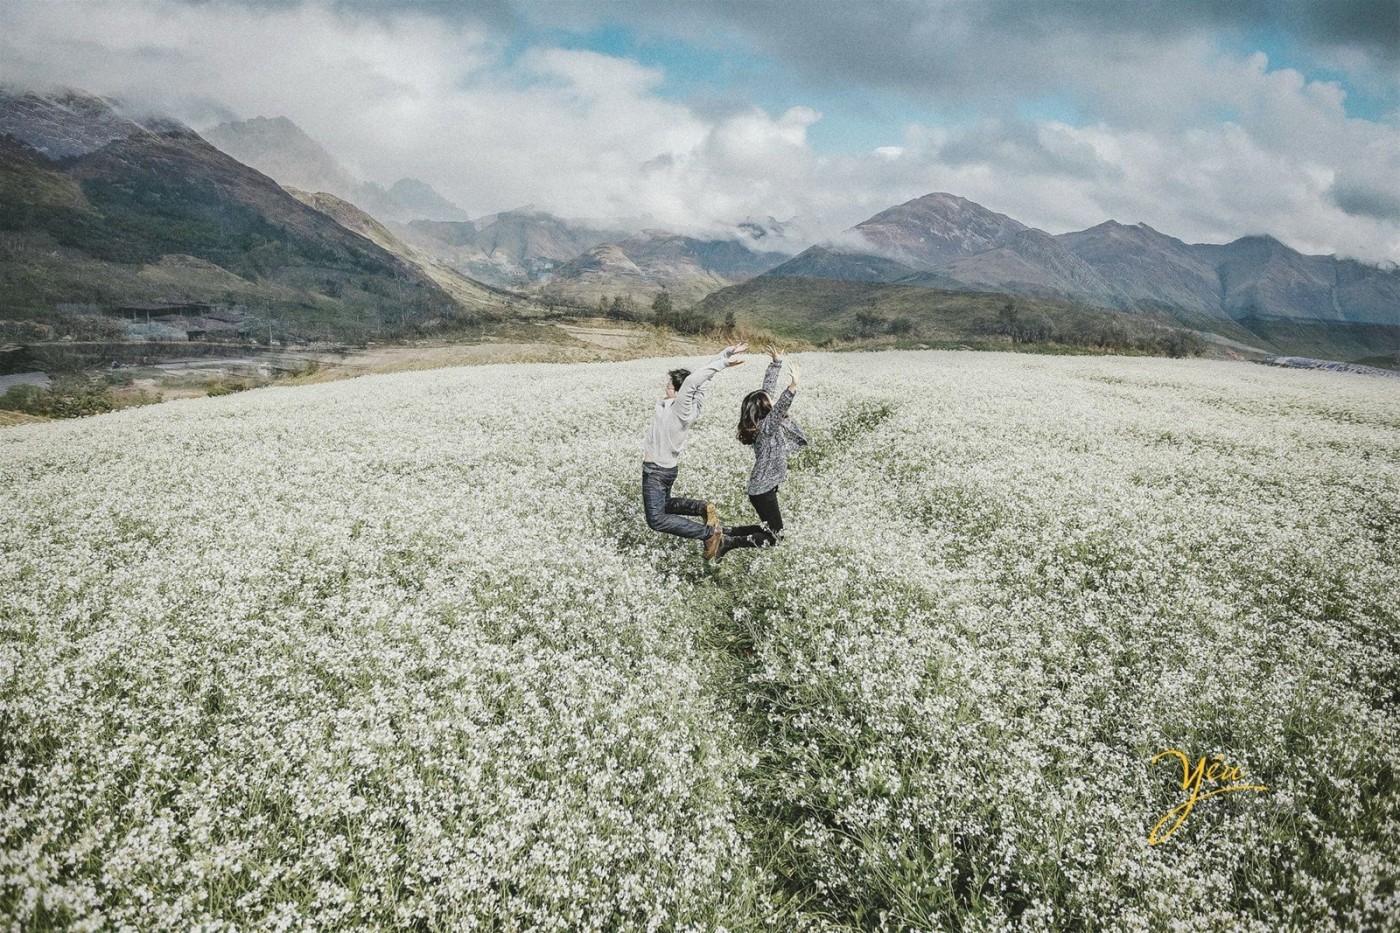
<point>401,650</point>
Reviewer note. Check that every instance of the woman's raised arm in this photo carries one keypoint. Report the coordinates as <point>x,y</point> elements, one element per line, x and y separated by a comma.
<point>770,378</point>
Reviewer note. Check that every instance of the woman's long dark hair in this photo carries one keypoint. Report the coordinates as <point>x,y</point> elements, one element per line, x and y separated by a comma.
<point>752,410</point>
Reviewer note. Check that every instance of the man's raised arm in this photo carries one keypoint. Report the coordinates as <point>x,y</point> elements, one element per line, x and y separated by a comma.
<point>691,394</point>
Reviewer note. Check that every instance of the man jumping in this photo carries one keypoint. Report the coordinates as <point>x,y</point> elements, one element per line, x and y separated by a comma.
<point>661,451</point>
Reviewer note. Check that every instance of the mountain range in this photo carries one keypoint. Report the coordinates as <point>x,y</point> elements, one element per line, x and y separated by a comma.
<point>101,207</point>
<point>942,240</point>
<point>519,248</point>
<point>939,240</point>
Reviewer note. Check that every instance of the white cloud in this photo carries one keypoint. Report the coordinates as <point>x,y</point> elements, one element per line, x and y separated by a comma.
<point>1281,157</point>
<point>1200,144</point>
<point>405,95</point>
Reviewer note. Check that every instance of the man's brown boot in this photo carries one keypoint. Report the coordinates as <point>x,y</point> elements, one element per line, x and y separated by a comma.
<point>713,542</point>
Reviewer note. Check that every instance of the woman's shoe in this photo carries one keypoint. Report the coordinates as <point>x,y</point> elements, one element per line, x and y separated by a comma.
<point>730,543</point>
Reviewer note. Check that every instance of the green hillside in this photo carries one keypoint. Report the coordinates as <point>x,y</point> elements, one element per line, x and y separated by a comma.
<point>1375,344</point>
<point>822,310</point>
<point>164,216</point>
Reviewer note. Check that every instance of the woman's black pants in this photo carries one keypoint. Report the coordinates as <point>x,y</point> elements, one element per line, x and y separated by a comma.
<point>770,531</point>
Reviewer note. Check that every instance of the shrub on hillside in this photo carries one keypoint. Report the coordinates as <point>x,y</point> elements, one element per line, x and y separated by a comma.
<point>682,321</point>
<point>1179,343</point>
<point>90,327</point>
<point>868,325</point>
<point>25,331</point>
<point>69,398</point>
<point>228,386</point>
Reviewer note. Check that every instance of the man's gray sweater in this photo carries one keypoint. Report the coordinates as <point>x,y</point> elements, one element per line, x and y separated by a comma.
<point>666,434</point>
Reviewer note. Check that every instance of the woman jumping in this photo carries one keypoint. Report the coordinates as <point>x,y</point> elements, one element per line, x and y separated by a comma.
<point>764,424</point>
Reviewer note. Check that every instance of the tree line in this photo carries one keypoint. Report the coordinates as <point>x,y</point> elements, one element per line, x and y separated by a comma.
<point>663,313</point>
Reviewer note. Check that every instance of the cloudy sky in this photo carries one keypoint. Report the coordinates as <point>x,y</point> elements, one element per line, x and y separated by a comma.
<point>1207,120</point>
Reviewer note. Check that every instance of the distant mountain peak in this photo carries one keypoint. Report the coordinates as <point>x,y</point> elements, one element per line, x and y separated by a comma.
<point>277,129</point>
<point>421,200</point>
<point>525,210</point>
<point>758,228</point>
<point>279,123</point>
<point>1113,228</point>
<point>688,266</point>
<point>511,248</point>
<point>281,149</point>
<point>945,197</point>
<point>935,228</point>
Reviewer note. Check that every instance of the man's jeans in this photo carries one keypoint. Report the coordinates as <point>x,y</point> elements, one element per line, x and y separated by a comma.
<point>663,512</point>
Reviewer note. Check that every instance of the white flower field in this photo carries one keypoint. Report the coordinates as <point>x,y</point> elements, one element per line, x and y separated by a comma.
<point>401,652</point>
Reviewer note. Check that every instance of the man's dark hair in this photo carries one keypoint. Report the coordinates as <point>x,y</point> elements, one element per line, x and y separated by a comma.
<point>678,376</point>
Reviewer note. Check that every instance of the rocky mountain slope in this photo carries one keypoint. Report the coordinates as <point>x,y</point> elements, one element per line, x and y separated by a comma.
<point>688,267</point>
<point>66,123</point>
<point>935,229</point>
<point>1035,263</point>
<point>1147,266</point>
<point>465,291</point>
<point>510,249</point>
<point>1258,276</point>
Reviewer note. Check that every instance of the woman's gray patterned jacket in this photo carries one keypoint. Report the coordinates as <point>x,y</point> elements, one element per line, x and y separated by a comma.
<point>778,437</point>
